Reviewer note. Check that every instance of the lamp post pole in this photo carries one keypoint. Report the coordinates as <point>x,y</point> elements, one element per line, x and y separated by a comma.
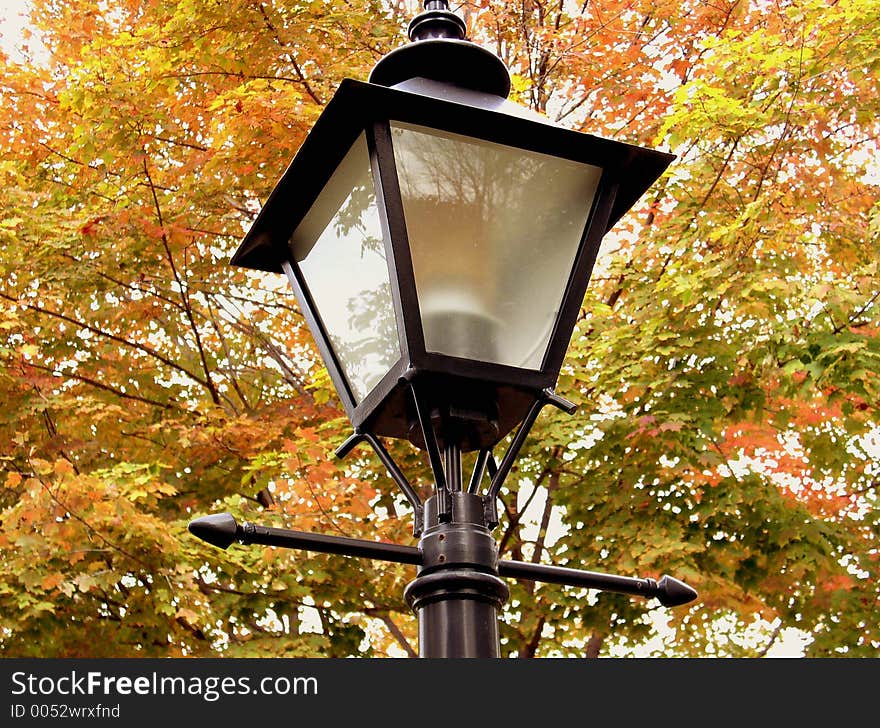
<point>470,357</point>
<point>458,593</point>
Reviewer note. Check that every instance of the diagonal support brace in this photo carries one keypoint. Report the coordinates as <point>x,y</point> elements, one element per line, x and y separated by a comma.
<point>393,470</point>
<point>547,396</point>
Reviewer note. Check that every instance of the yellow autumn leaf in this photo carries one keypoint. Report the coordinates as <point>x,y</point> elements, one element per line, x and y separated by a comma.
<point>188,615</point>
<point>52,580</point>
<point>62,467</point>
<point>41,467</point>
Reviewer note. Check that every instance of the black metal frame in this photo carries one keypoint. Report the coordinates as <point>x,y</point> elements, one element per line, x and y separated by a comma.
<point>356,105</point>
<point>368,108</point>
<point>458,592</point>
<point>445,461</point>
<point>443,404</point>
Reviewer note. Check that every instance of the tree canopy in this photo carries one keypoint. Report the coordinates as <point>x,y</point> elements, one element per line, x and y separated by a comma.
<point>725,364</point>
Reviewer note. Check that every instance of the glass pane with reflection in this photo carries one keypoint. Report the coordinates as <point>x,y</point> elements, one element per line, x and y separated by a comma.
<point>493,232</point>
<point>341,253</point>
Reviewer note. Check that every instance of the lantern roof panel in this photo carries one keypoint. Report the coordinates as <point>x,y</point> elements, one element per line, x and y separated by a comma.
<point>489,117</point>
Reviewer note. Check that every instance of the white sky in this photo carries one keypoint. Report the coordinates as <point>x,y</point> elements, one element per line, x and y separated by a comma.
<point>12,21</point>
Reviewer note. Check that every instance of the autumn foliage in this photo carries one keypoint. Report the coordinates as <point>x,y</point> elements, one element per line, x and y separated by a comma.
<point>726,364</point>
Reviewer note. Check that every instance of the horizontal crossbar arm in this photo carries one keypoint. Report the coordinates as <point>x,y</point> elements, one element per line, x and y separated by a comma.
<point>669,591</point>
<point>222,530</point>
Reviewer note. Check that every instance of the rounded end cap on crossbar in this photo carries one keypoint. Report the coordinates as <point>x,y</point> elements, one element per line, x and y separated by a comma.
<point>672,593</point>
<point>219,529</point>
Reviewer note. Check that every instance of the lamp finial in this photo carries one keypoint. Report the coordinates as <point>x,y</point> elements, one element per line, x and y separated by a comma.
<point>436,21</point>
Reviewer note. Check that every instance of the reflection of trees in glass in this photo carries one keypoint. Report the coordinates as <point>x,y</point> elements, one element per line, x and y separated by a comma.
<point>493,232</point>
<point>504,189</point>
<point>437,168</point>
<point>353,219</point>
<point>371,354</point>
<point>371,348</point>
<point>347,275</point>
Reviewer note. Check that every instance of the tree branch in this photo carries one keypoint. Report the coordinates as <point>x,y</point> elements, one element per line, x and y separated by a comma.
<point>100,385</point>
<point>209,383</point>
<point>106,334</point>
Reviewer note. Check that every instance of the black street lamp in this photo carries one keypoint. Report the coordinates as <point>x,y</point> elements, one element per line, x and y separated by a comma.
<point>439,240</point>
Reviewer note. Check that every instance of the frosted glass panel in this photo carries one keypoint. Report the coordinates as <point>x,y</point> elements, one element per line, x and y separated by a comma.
<point>340,252</point>
<point>493,233</point>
